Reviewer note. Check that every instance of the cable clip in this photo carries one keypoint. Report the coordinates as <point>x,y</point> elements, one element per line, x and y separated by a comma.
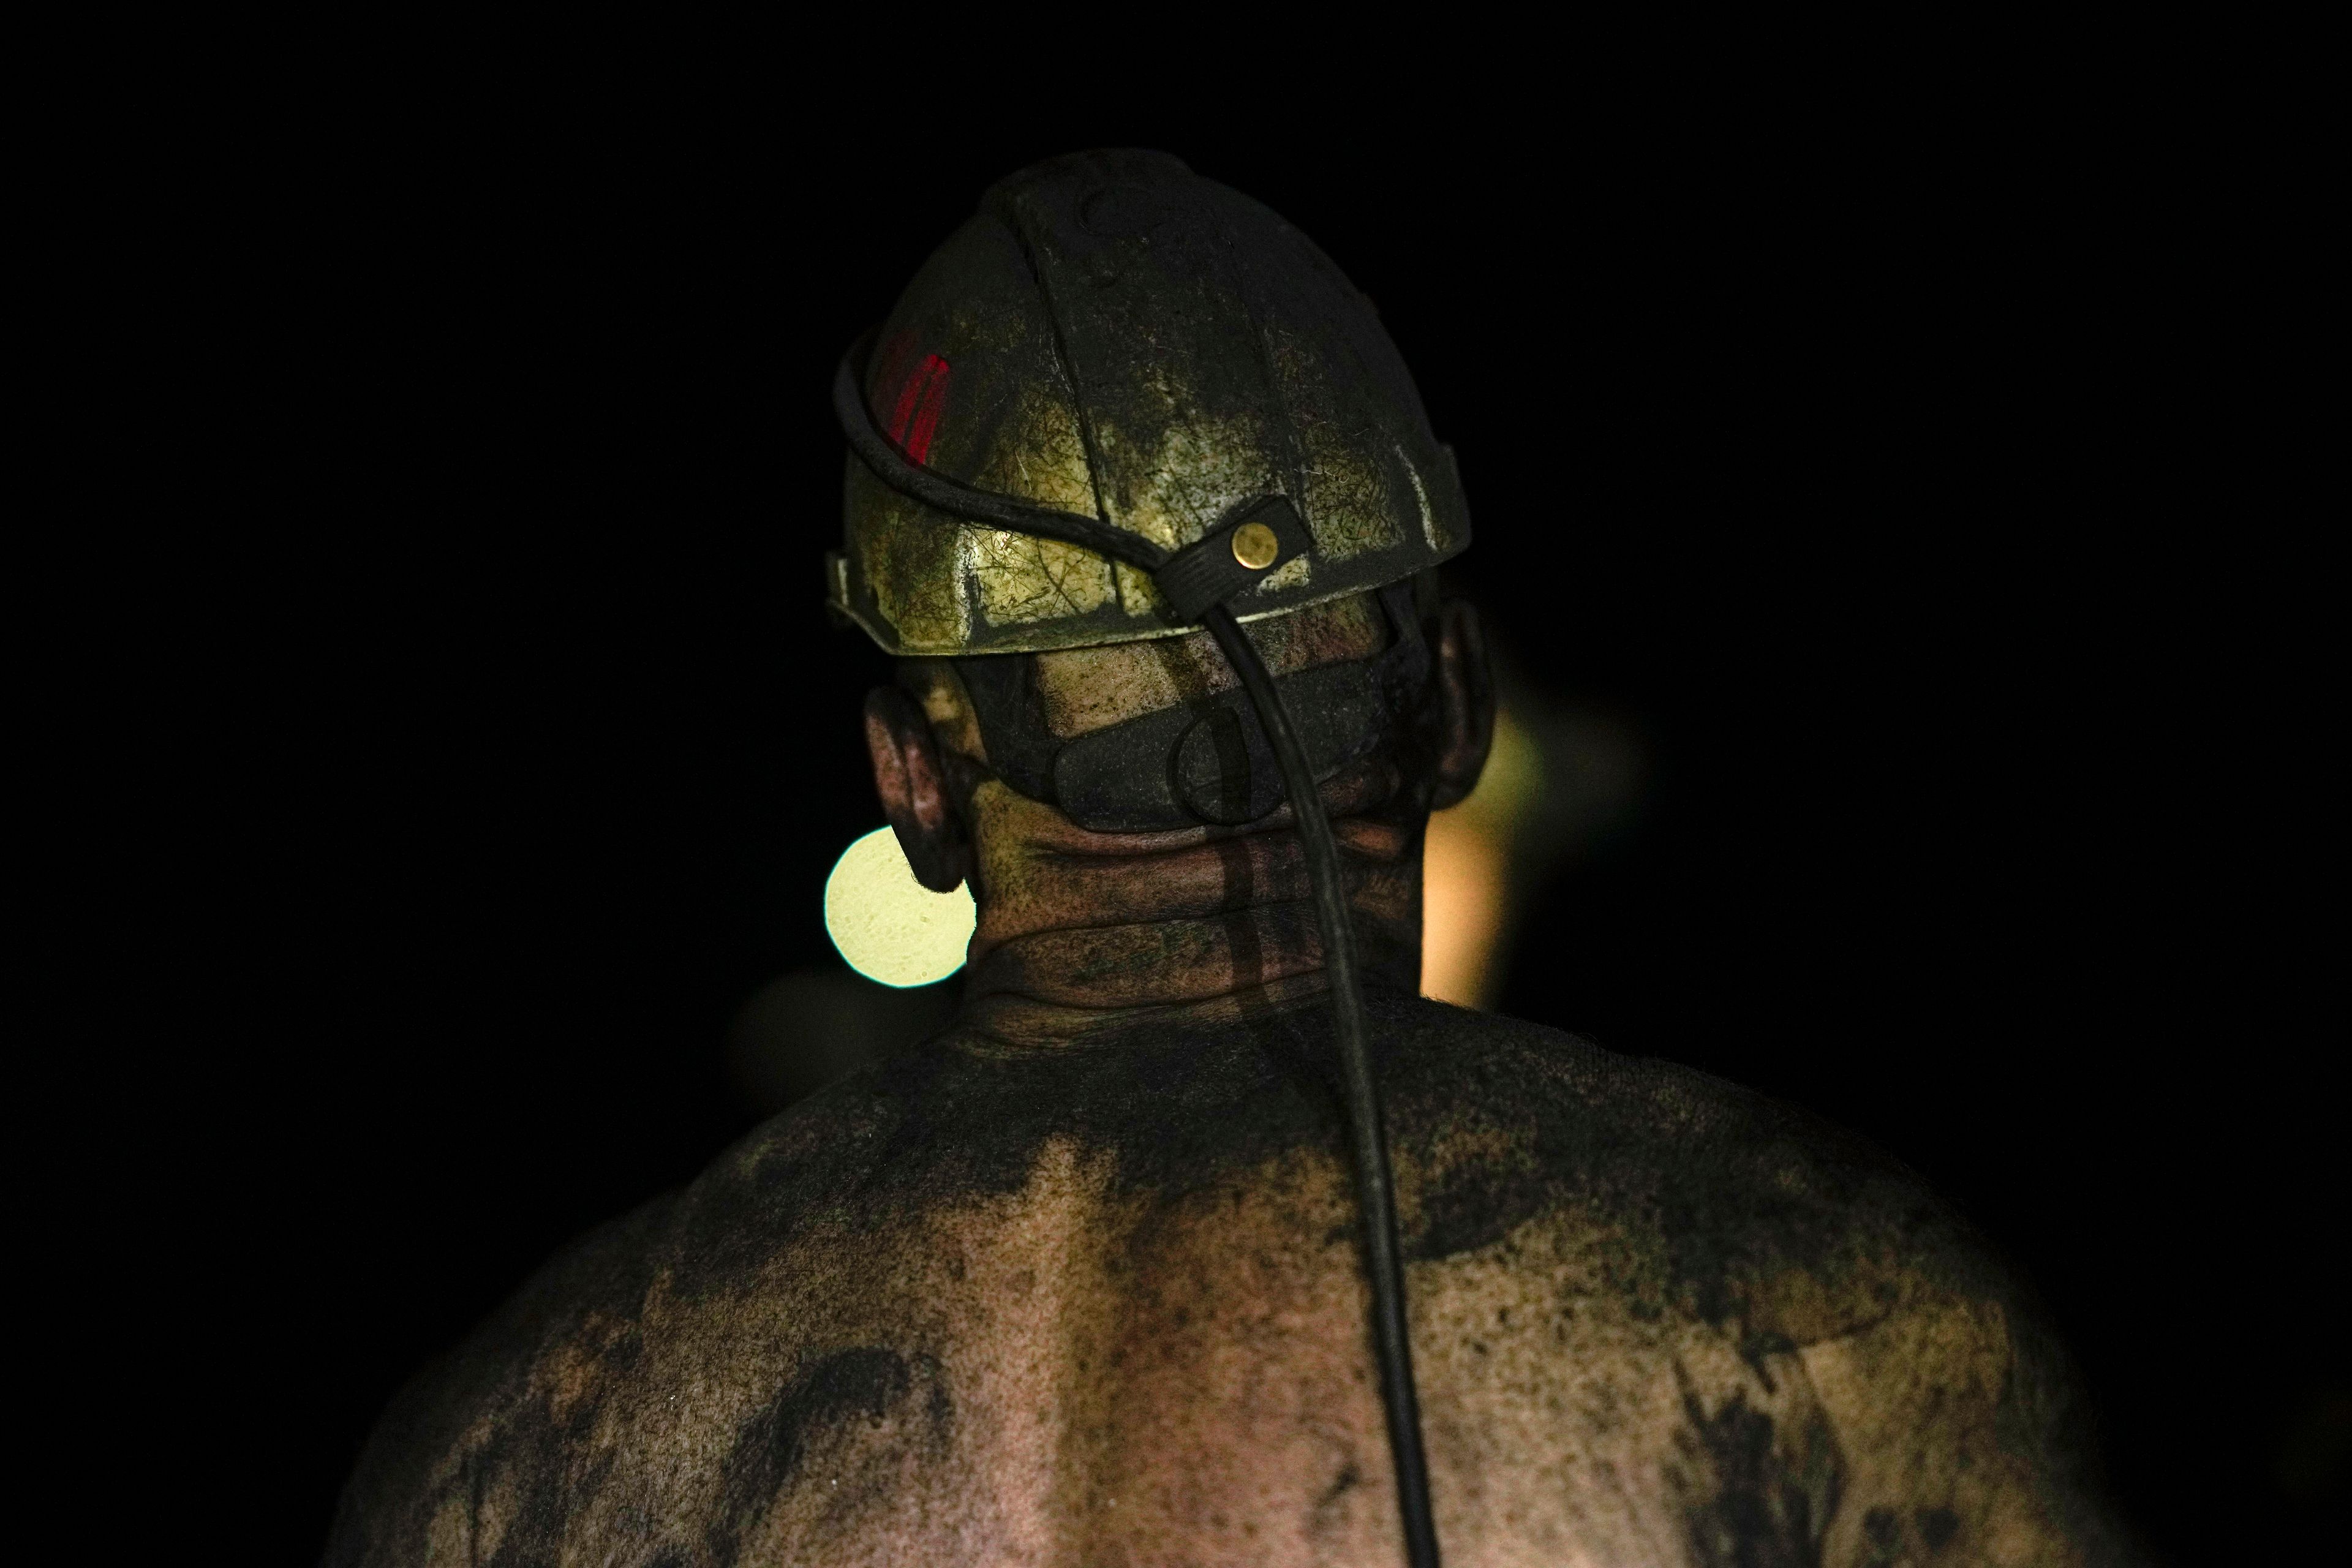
<point>1259,537</point>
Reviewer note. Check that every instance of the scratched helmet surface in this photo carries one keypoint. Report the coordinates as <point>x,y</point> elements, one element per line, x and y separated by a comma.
<point>1114,336</point>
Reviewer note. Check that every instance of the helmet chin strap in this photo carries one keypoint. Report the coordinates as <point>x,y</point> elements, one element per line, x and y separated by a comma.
<point>1199,582</point>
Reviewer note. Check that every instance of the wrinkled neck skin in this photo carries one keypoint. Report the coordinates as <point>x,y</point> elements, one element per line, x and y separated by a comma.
<point>1080,933</point>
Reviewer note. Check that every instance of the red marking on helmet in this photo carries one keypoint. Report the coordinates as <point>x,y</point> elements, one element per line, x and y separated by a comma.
<point>917,418</point>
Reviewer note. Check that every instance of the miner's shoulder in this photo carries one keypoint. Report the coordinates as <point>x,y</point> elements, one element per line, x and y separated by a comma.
<point>1750,1207</point>
<point>1709,1204</point>
<point>503,1395</point>
<point>1804,1244</point>
<point>498,1429</point>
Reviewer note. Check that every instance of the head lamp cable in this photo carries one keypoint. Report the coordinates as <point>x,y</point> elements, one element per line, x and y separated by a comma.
<point>1198,582</point>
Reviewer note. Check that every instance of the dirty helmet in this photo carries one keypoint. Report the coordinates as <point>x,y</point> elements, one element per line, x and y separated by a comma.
<point>1113,336</point>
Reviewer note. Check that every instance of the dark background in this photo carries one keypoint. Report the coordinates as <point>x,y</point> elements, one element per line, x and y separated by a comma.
<point>1875,470</point>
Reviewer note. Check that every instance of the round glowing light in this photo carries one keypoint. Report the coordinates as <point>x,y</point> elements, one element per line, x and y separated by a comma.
<point>888,926</point>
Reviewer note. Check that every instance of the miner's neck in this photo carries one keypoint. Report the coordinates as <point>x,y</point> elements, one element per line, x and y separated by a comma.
<point>1079,933</point>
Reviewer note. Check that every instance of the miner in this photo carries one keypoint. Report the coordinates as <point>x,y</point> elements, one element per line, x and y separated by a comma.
<point>1199,1238</point>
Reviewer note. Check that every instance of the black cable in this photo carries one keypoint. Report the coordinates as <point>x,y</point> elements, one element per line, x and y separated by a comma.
<point>1375,1191</point>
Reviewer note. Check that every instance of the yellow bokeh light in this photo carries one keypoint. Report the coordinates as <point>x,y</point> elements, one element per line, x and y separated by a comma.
<point>1466,872</point>
<point>889,926</point>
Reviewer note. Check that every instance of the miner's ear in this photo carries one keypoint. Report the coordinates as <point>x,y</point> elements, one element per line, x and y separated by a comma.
<point>910,776</point>
<point>1465,703</point>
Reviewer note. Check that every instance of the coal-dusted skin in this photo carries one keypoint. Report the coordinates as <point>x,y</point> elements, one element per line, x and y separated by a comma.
<point>1099,1305</point>
<point>1077,1284</point>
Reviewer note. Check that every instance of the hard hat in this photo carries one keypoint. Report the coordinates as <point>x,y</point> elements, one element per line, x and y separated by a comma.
<point>1117,338</point>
